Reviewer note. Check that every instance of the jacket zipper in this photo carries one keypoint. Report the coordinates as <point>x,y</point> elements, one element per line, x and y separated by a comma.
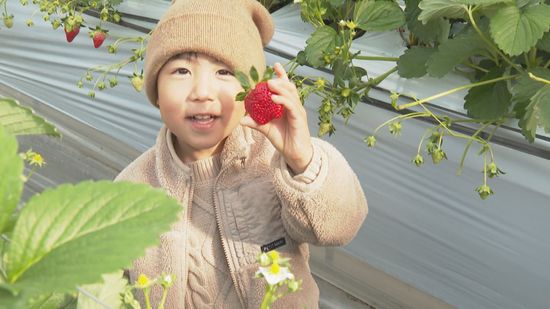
<point>224,241</point>
<point>185,231</point>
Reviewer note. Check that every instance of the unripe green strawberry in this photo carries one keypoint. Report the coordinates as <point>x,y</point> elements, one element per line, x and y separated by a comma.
<point>56,23</point>
<point>418,160</point>
<point>137,82</point>
<point>395,128</point>
<point>8,21</point>
<point>324,128</point>
<point>257,101</point>
<point>484,191</point>
<point>438,155</point>
<point>371,141</point>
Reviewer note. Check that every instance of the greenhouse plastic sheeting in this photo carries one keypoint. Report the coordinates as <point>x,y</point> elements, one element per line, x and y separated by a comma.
<point>426,227</point>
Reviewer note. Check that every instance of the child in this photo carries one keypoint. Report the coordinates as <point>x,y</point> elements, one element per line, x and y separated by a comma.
<point>241,185</point>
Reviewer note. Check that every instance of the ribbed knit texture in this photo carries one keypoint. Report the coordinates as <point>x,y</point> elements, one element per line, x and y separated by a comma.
<point>208,270</point>
<point>232,31</point>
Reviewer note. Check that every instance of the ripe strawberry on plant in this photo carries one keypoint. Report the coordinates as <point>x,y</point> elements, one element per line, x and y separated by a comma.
<point>257,97</point>
<point>71,32</point>
<point>98,35</point>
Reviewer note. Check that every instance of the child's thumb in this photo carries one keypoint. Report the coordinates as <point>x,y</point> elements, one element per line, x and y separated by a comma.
<point>251,123</point>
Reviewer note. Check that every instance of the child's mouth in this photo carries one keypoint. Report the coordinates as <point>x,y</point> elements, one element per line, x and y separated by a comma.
<point>203,117</point>
<point>203,121</point>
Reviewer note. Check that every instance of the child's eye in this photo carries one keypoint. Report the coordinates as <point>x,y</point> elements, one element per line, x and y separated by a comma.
<point>225,72</point>
<point>182,71</point>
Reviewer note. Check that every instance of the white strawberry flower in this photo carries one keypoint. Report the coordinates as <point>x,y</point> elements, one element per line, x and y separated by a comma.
<point>275,274</point>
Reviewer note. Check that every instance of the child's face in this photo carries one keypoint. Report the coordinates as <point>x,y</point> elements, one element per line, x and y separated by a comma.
<point>196,97</point>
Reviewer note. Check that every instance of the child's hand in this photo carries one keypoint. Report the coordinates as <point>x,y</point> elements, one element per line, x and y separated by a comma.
<point>290,133</point>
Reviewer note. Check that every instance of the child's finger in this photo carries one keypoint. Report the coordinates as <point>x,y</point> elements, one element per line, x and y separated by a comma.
<point>293,110</point>
<point>282,87</point>
<point>249,122</point>
<point>280,71</point>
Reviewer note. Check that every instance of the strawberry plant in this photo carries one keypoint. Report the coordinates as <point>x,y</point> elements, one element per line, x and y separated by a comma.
<point>66,237</point>
<point>502,46</point>
<point>72,16</point>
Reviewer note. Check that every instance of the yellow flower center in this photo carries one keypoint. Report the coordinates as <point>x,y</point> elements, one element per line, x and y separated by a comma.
<point>274,255</point>
<point>275,268</point>
<point>142,280</point>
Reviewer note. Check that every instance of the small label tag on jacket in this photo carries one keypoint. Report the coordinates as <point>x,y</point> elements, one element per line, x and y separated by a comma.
<point>274,245</point>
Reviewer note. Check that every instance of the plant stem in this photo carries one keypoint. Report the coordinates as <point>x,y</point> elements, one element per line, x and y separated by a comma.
<point>401,117</point>
<point>451,132</point>
<point>147,300</point>
<point>267,298</point>
<point>376,58</point>
<point>429,130</point>
<point>471,65</point>
<point>488,42</point>
<point>442,94</point>
<point>378,79</point>
<point>467,148</point>
<point>533,56</point>
<point>163,298</point>
<point>538,79</point>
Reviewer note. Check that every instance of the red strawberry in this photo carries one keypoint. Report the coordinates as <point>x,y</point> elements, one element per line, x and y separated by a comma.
<point>98,36</point>
<point>70,34</point>
<point>260,107</point>
<point>257,101</point>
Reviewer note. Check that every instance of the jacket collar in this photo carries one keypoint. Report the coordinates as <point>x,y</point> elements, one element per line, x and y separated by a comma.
<point>172,173</point>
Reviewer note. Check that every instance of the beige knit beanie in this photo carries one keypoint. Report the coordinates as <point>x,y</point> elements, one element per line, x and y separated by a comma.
<point>232,31</point>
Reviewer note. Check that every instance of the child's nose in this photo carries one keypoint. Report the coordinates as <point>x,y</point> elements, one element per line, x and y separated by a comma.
<point>202,88</point>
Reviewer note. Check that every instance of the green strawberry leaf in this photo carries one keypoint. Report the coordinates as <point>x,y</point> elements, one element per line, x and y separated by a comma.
<point>322,40</point>
<point>268,74</point>
<point>488,101</point>
<point>537,114</point>
<point>240,96</point>
<point>20,120</point>
<point>243,79</point>
<point>52,300</point>
<point>525,88</point>
<point>254,75</point>
<point>544,43</point>
<point>413,62</point>
<point>435,30</point>
<point>108,291</point>
<point>482,2</point>
<point>435,9</point>
<point>453,52</point>
<point>378,15</point>
<point>517,30</point>
<point>71,234</point>
<point>11,185</point>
